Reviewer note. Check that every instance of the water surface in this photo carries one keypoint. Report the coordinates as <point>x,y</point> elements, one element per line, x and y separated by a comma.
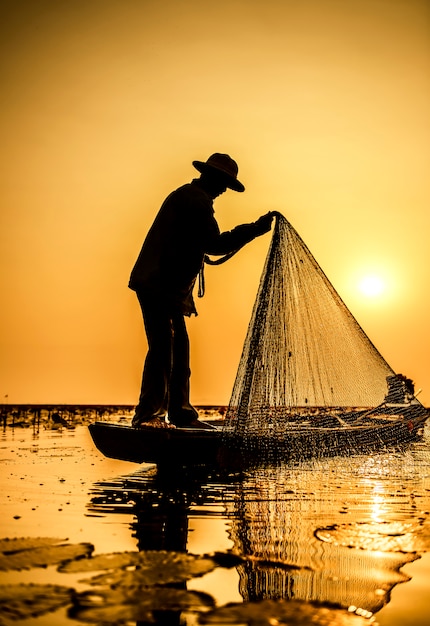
<point>351,531</point>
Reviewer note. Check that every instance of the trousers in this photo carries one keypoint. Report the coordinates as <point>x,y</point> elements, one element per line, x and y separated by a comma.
<point>165,388</point>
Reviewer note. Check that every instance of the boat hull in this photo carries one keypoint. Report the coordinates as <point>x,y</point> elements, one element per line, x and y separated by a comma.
<point>156,445</point>
<point>176,446</point>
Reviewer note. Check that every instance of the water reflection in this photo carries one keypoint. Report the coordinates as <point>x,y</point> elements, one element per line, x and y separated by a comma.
<point>162,505</point>
<point>334,531</point>
<point>278,519</point>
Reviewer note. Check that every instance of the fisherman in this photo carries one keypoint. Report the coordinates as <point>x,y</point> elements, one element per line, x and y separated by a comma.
<point>163,277</point>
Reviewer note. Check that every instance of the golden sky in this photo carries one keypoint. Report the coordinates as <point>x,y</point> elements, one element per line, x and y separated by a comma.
<point>325,105</point>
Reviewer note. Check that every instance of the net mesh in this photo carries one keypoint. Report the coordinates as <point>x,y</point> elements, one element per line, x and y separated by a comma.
<point>304,351</point>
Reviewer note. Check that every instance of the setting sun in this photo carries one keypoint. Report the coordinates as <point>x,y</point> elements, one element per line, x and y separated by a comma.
<point>372,286</point>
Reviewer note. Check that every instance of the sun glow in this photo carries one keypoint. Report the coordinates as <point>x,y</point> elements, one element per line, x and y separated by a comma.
<point>372,286</point>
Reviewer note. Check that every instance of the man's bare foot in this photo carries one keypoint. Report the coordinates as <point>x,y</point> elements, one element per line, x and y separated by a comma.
<point>155,422</point>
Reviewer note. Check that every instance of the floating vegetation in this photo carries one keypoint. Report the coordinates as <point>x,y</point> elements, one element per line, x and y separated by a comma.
<point>131,588</point>
<point>119,606</point>
<point>128,585</point>
<point>405,537</point>
<point>19,602</point>
<point>293,613</point>
<point>139,586</point>
<point>19,554</point>
<point>9,546</point>
<point>151,567</point>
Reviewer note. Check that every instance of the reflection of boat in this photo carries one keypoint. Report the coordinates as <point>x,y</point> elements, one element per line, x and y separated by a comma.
<point>315,434</point>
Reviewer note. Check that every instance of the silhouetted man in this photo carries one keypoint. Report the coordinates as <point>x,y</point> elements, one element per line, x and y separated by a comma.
<point>163,277</point>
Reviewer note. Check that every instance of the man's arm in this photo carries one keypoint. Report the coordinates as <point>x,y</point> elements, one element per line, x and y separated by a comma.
<point>229,241</point>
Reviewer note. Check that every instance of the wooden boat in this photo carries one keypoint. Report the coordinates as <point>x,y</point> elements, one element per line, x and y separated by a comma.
<point>185,446</point>
<point>323,435</point>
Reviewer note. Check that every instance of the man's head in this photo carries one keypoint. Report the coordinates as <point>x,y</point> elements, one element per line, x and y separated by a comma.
<point>218,173</point>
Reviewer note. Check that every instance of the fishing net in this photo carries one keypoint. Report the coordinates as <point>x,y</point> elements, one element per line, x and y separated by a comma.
<point>304,352</point>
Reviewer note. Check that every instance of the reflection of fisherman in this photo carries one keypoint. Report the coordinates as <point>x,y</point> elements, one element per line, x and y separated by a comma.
<point>163,277</point>
<point>162,525</point>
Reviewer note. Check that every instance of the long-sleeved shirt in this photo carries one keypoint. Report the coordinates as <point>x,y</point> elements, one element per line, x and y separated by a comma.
<point>172,254</point>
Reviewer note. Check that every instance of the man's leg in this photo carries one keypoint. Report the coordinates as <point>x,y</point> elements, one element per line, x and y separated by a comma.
<point>181,412</point>
<point>156,372</point>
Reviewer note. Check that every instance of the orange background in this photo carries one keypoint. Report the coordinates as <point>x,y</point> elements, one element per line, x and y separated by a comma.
<point>325,106</point>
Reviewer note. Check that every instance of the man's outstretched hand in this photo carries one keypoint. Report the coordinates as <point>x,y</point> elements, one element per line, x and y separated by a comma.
<point>264,223</point>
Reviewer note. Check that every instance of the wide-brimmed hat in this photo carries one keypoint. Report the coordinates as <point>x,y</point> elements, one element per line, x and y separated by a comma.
<point>222,164</point>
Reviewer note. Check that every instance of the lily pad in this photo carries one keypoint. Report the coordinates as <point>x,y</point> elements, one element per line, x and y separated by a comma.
<point>8,546</point>
<point>21,555</point>
<point>152,567</point>
<point>282,613</point>
<point>19,602</point>
<point>405,537</point>
<point>100,562</point>
<point>117,606</point>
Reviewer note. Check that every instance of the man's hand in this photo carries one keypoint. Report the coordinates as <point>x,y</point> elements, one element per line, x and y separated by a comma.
<point>264,223</point>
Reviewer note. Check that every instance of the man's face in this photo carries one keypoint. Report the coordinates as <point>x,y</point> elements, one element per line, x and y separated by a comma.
<point>219,189</point>
<point>214,183</point>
